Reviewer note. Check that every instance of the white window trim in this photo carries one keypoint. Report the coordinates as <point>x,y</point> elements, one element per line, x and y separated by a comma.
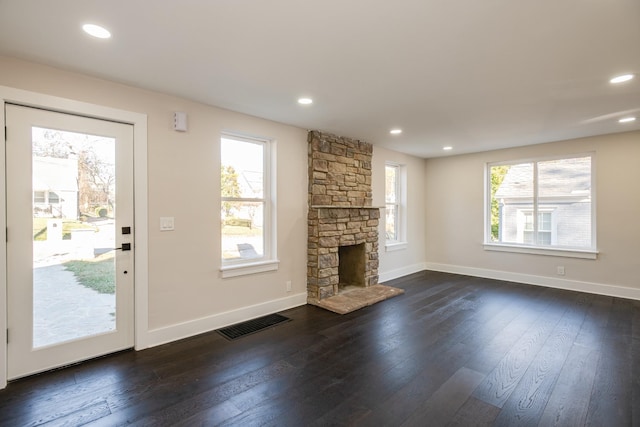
<point>249,268</point>
<point>568,252</point>
<point>392,246</point>
<point>538,250</point>
<point>269,261</point>
<point>401,242</point>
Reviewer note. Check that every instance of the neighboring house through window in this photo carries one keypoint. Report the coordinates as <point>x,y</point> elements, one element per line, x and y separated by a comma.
<point>55,187</point>
<point>395,201</point>
<point>544,204</point>
<point>39,197</point>
<point>247,213</point>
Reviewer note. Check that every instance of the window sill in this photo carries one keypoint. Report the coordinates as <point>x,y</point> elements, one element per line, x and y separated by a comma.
<point>558,252</point>
<point>249,268</point>
<point>395,246</point>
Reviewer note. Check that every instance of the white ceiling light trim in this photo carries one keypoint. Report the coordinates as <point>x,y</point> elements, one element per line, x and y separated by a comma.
<point>447,148</point>
<point>395,131</point>
<point>627,120</point>
<point>305,101</point>
<point>96,31</point>
<point>621,79</point>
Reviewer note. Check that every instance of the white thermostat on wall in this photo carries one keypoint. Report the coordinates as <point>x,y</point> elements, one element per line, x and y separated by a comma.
<point>180,121</point>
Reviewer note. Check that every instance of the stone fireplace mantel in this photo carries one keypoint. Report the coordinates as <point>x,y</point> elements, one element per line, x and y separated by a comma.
<point>346,207</point>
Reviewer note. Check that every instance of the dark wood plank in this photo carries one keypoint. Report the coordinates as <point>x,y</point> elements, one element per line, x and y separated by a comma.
<point>439,355</point>
<point>475,413</point>
<point>453,350</point>
<point>445,402</point>
<point>358,361</point>
<point>498,343</point>
<point>529,399</point>
<point>635,367</point>
<point>610,402</point>
<point>212,416</point>
<point>503,380</point>
<point>569,400</point>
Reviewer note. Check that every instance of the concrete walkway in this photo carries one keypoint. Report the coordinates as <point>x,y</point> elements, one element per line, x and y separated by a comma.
<point>65,310</point>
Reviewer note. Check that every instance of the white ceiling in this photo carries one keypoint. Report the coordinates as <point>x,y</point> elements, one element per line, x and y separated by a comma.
<point>475,75</point>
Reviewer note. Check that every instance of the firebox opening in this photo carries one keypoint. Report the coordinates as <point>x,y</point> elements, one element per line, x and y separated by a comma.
<point>351,266</point>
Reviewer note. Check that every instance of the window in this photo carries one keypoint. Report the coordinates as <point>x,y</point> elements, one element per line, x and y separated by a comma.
<point>246,211</point>
<point>394,204</point>
<point>53,198</point>
<point>542,204</point>
<point>545,232</point>
<point>39,197</point>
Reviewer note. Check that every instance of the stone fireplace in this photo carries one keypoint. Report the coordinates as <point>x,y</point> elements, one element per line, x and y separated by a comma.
<point>342,250</point>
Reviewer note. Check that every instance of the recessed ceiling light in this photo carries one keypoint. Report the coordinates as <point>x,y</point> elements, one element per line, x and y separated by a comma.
<point>305,101</point>
<point>96,31</point>
<point>447,148</point>
<point>627,120</point>
<point>621,79</point>
<point>395,131</point>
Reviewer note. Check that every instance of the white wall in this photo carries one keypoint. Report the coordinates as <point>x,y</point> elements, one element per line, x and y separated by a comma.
<point>454,188</point>
<point>411,259</point>
<point>186,292</point>
<point>444,220</point>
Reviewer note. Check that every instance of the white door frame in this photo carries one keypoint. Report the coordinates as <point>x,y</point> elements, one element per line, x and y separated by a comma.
<point>141,275</point>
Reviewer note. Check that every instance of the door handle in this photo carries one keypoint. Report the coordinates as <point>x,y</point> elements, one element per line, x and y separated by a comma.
<point>124,247</point>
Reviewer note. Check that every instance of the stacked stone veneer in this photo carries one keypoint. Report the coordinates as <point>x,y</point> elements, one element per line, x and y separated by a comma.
<point>340,211</point>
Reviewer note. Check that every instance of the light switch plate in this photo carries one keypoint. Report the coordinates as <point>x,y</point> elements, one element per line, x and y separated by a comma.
<point>166,223</point>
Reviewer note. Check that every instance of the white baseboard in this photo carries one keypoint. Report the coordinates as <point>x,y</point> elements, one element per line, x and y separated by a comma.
<point>401,272</point>
<point>529,279</point>
<point>198,326</point>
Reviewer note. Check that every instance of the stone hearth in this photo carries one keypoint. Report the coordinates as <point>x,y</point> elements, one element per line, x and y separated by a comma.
<point>342,254</point>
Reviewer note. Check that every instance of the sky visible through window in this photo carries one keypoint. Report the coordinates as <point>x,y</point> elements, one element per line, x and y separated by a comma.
<point>72,142</point>
<point>245,157</point>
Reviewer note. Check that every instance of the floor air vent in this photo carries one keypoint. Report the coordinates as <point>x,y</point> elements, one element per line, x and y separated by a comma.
<point>240,330</point>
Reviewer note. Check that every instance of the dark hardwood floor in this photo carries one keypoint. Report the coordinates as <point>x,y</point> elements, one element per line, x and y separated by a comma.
<point>453,350</point>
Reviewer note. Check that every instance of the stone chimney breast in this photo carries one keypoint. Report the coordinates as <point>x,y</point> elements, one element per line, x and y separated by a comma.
<point>341,217</point>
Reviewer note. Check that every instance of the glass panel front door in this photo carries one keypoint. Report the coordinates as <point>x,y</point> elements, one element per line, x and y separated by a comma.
<point>70,238</point>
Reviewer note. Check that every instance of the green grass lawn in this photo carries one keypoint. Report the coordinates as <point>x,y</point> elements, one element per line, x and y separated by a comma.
<point>96,275</point>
